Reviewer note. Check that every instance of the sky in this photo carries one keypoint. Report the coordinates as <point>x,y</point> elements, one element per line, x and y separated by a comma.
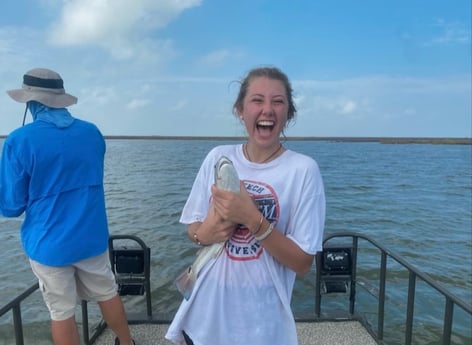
<point>391,68</point>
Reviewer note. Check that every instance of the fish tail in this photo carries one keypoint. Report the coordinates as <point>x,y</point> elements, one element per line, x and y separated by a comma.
<point>185,282</point>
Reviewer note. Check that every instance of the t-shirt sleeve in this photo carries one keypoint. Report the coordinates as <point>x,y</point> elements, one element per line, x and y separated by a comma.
<point>306,227</point>
<point>198,202</point>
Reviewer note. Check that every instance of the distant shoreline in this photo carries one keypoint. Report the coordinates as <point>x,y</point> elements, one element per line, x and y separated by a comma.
<point>382,140</point>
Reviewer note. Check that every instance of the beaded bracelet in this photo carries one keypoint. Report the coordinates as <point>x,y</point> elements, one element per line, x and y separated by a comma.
<point>266,233</point>
<point>195,238</point>
<point>259,226</point>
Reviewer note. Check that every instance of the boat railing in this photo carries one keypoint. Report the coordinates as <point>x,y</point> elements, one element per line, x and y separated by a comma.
<point>131,266</point>
<point>343,274</point>
<point>15,307</point>
<point>336,271</point>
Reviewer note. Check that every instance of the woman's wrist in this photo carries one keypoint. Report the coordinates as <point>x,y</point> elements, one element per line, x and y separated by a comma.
<point>255,229</point>
<point>196,234</point>
<point>266,233</point>
<point>195,238</point>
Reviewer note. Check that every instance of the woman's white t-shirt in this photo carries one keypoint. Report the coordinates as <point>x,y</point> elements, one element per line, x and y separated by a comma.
<point>243,296</point>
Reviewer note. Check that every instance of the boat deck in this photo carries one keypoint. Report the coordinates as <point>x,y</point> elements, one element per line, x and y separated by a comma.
<point>309,333</point>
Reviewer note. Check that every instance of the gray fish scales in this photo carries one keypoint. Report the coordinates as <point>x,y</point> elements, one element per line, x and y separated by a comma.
<point>227,179</point>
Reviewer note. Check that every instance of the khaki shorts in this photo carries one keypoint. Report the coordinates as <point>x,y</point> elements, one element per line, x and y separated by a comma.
<point>64,287</point>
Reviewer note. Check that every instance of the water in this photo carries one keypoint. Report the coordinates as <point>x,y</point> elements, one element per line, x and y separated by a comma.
<point>416,199</point>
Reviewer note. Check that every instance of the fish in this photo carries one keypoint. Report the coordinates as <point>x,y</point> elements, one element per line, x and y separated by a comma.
<point>226,178</point>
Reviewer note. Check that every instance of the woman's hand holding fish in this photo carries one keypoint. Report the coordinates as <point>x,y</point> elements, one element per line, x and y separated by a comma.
<point>213,229</point>
<point>238,208</point>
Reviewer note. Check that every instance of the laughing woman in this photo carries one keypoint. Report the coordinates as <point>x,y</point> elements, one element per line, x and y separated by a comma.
<point>273,228</point>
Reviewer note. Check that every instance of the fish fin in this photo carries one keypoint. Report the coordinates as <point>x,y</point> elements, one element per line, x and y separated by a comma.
<point>220,250</point>
<point>185,282</point>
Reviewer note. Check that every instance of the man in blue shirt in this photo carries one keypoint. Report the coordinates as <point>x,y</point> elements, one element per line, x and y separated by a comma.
<point>52,170</point>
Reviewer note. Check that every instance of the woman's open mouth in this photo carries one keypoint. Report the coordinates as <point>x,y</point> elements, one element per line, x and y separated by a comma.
<point>265,125</point>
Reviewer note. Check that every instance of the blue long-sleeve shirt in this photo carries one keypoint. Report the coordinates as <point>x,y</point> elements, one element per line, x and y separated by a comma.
<point>55,175</point>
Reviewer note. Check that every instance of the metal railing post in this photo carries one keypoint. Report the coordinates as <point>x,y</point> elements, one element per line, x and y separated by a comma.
<point>381,306</point>
<point>448,313</point>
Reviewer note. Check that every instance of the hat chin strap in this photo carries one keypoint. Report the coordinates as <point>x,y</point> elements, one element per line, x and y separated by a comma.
<point>24,115</point>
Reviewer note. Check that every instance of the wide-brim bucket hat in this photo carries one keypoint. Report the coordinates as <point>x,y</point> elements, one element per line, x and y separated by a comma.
<point>44,86</point>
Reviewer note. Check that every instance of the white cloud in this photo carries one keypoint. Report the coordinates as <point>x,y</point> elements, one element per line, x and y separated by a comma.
<point>450,33</point>
<point>181,104</point>
<point>138,103</point>
<point>220,56</point>
<point>117,25</point>
<point>348,107</point>
<point>216,56</point>
<point>99,95</point>
<point>383,106</point>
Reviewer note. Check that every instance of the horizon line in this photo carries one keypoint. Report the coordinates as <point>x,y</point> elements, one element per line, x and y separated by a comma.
<point>392,140</point>
<point>380,139</point>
